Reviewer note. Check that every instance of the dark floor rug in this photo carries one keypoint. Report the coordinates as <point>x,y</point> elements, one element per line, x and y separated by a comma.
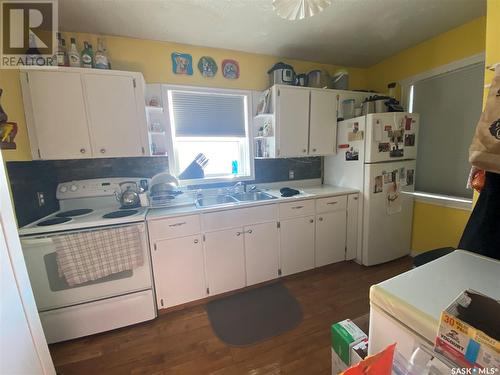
<point>254,315</point>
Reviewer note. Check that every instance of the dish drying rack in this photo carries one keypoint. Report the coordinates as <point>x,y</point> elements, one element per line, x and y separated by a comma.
<point>187,198</point>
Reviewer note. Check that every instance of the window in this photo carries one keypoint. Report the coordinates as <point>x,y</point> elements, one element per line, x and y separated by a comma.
<point>449,105</point>
<point>214,123</point>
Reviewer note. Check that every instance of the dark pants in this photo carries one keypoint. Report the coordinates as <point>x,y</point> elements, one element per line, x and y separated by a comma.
<point>482,232</point>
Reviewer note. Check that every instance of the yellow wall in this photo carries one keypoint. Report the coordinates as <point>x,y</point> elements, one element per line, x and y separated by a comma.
<point>455,44</point>
<point>434,226</point>
<point>152,58</point>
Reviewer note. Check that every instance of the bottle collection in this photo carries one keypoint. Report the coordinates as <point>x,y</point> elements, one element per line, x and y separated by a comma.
<point>84,59</point>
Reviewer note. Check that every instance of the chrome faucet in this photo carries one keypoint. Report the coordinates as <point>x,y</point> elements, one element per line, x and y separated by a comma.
<point>236,187</point>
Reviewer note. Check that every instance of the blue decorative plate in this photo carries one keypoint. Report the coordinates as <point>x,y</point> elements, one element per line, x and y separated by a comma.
<point>182,63</point>
<point>207,66</point>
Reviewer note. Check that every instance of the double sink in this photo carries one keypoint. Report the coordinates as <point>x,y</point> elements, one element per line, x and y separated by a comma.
<point>224,199</point>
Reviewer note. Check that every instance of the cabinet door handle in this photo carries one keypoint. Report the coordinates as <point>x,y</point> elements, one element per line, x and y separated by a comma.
<point>311,221</point>
<point>103,150</point>
<point>320,219</point>
<point>196,241</point>
<point>314,150</point>
<point>297,207</point>
<point>355,198</point>
<point>177,224</point>
<point>239,233</point>
<point>249,231</point>
<point>332,202</point>
<point>82,150</point>
<point>304,150</point>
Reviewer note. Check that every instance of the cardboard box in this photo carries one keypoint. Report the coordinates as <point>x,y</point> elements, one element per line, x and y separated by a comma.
<point>345,336</point>
<point>459,341</point>
<point>337,365</point>
<point>359,352</point>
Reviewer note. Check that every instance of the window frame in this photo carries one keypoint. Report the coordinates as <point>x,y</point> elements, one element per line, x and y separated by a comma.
<point>170,131</point>
<point>407,102</point>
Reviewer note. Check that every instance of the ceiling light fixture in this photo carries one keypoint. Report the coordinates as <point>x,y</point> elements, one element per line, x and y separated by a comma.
<point>293,10</point>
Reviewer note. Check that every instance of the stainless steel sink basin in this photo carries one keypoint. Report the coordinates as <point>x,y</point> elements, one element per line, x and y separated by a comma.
<point>252,196</point>
<point>213,200</point>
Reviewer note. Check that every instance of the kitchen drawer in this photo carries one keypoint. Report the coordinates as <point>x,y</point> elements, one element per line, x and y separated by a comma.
<point>297,209</point>
<point>239,217</point>
<point>338,203</point>
<point>179,226</point>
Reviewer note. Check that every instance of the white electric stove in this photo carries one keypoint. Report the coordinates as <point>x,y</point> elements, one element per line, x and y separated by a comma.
<point>67,311</point>
<point>86,204</point>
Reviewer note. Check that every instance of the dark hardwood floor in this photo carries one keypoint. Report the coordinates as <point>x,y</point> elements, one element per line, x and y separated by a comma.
<point>182,342</point>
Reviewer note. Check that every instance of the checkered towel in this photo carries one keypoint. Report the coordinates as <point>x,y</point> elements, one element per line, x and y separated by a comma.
<point>88,256</point>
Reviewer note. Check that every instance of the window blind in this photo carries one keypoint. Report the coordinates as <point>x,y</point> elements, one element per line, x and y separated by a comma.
<point>198,114</point>
<point>449,106</point>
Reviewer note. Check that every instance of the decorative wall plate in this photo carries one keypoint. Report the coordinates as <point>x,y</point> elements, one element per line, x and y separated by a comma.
<point>207,66</point>
<point>230,69</point>
<point>182,63</point>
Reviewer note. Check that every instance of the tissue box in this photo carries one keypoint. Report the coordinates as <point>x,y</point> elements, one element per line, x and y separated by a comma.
<point>460,341</point>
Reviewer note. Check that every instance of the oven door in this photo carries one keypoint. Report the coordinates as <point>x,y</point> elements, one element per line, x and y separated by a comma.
<point>51,291</point>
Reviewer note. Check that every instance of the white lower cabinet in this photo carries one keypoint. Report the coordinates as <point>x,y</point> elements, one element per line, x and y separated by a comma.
<point>179,271</point>
<point>225,260</point>
<point>297,245</point>
<point>261,252</point>
<point>330,238</point>
<point>242,247</point>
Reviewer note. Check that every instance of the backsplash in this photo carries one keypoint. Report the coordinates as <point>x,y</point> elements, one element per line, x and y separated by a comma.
<point>29,177</point>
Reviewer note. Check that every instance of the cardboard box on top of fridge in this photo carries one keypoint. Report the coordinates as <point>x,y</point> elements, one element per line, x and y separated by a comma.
<point>345,335</point>
<point>468,332</point>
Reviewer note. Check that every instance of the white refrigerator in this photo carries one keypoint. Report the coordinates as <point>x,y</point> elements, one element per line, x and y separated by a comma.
<point>376,155</point>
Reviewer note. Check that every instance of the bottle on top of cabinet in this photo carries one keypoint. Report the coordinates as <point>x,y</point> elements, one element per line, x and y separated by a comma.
<point>87,56</point>
<point>61,54</point>
<point>73,55</point>
<point>101,56</point>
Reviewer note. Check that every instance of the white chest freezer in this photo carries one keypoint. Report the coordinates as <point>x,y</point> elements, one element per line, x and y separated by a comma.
<point>407,308</point>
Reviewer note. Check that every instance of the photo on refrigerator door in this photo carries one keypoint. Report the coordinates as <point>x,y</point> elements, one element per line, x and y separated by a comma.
<point>410,173</point>
<point>379,184</point>
<point>394,194</point>
<point>402,174</point>
<point>395,140</point>
<point>384,147</point>
<point>352,154</point>
<point>410,140</point>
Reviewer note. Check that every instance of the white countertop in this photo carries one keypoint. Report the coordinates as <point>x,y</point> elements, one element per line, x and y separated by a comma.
<point>417,297</point>
<point>308,192</point>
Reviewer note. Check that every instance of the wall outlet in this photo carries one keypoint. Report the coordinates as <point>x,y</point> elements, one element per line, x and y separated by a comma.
<point>291,174</point>
<point>41,198</point>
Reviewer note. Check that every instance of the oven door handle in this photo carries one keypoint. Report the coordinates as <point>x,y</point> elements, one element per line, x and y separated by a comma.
<point>36,241</point>
<point>47,238</point>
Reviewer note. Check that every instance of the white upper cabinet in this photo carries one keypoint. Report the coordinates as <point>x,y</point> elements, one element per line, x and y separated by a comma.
<point>57,117</point>
<point>323,122</point>
<point>82,113</point>
<point>114,119</point>
<point>303,122</point>
<point>292,118</point>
